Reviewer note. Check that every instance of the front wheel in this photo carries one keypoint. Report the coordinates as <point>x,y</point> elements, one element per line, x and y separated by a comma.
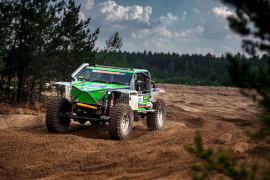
<point>55,120</point>
<point>121,121</point>
<point>156,120</point>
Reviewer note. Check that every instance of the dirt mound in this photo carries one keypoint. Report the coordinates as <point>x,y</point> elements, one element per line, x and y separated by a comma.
<point>223,115</point>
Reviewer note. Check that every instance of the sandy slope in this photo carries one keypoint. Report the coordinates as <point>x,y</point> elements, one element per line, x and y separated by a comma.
<point>28,150</point>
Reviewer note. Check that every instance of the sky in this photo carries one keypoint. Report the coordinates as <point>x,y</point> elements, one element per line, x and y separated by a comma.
<point>180,26</point>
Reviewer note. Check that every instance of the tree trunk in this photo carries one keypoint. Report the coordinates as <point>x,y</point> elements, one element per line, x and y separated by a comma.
<point>32,90</point>
<point>20,87</point>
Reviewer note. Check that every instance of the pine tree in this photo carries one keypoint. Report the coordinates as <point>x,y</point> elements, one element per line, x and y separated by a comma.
<point>44,20</point>
<point>250,21</point>
<point>111,54</point>
<point>5,33</point>
<point>21,50</point>
<point>72,43</point>
<point>24,37</point>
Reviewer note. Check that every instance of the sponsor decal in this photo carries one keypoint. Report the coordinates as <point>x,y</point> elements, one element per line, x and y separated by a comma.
<point>110,72</point>
<point>145,98</point>
<point>91,86</point>
<point>106,72</point>
<point>88,89</point>
<point>98,84</point>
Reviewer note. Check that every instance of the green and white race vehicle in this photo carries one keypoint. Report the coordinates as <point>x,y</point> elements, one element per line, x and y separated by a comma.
<point>105,94</point>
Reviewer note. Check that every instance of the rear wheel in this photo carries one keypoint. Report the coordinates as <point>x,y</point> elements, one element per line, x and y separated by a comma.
<point>121,121</point>
<point>55,120</point>
<point>156,120</point>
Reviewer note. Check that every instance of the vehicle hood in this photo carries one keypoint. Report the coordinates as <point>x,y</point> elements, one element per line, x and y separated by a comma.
<point>95,86</point>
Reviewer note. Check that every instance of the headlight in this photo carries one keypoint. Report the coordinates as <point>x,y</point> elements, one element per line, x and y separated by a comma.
<point>149,105</point>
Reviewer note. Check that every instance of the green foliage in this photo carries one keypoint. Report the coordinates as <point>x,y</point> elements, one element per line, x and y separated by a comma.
<point>5,21</point>
<point>249,22</point>
<point>254,78</point>
<point>41,41</point>
<point>2,66</point>
<point>114,43</point>
<point>23,37</point>
<point>72,43</point>
<point>195,69</point>
<point>219,162</point>
<point>110,55</point>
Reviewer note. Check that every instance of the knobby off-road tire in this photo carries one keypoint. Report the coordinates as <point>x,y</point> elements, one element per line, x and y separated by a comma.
<point>136,116</point>
<point>56,107</point>
<point>121,121</point>
<point>156,120</point>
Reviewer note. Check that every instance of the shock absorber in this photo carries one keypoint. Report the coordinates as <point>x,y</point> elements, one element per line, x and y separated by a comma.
<point>111,104</point>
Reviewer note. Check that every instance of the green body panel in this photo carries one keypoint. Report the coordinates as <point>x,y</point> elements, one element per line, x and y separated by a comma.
<point>146,100</point>
<point>142,108</point>
<point>107,96</point>
<point>109,69</point>
<point>85,98</point>
<point>95,89</point>
<point>97,95</point>
<point>75,92</point>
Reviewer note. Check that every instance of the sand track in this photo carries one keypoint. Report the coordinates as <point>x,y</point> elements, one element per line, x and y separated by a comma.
<point>29,151</point>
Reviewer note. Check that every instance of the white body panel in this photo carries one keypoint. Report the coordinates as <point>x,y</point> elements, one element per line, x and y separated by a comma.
<point>67,85</point>
<point>67,93</point>
<point>155,92</point>
<point>133,102</point>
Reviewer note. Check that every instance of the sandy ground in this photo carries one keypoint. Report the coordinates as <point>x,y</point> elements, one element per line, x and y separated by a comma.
<point>223,115</point>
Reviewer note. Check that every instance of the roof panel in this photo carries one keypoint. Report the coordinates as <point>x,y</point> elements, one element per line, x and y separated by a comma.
<point>117,69</point>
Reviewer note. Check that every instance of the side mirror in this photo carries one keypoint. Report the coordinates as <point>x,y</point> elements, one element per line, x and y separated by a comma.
<point>153,84</point>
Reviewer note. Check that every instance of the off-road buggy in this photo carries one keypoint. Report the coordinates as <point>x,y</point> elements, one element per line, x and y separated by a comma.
<point>105,94</point>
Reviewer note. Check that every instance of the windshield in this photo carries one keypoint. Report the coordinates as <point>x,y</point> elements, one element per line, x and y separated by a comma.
<point>109,77</point>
